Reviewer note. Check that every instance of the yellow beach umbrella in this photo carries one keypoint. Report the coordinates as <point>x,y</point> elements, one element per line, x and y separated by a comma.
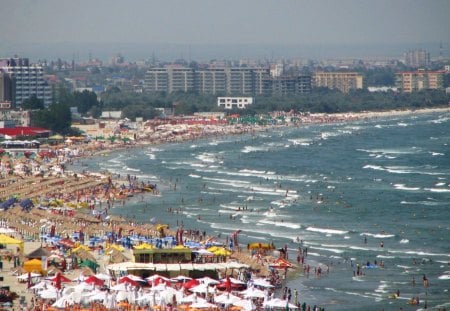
<point>81,247</point>
<point>222,252</point>
<point>144,246</point>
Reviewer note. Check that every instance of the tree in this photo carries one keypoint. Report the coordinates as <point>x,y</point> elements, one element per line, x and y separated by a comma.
<point>85,100</point>
<point>57,118</point>
<point>33,103</point>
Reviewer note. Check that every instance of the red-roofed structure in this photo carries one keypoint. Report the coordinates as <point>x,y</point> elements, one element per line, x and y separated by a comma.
<point>25,131</point>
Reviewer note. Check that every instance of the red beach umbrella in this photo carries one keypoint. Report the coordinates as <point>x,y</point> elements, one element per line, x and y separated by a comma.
<point>94,280</point>
<point>191,284</point>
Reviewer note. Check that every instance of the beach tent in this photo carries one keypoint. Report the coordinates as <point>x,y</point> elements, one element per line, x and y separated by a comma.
<point>8,203</point>
<point>90,264</point>
<point>33,265</point>
<point>38,253</point>
<point>26,204</point>
<point>4,239</point>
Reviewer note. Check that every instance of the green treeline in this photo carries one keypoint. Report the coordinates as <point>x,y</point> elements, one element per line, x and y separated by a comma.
<point>57,117</point>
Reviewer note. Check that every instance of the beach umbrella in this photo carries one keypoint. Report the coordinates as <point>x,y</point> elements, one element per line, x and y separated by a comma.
<point>202,289</point>
<point>208,280</point>
<point>226,299</point>
<point>203,305</point>
<point>155,279</point>
<point>279,303</point>
<point>63,302</point>
<point>262,283</point>
<point>103,276</point>
<point>252,292</point>
<point>94,280</point>
<point>58,279</point>
<point>180,278</point>
<point>127,279</point>
<point>191,283</point>
<point>50,293</point>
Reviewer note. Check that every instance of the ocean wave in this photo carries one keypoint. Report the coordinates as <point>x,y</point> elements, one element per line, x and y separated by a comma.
<point>400,170</point>
<point>403,187</point>
<point>281,224</point>
<point>300,141</point>
<point>437,189</point>
<point>418,253</point>
<point>151,156</point>
<point>248,149</point>
<point>332,250</point>
<point>444,277</point>
<point>404,241</point>
<point>194,176</point>
<point>378,235</point>
<point>327,231</point>
<point>127,168</point>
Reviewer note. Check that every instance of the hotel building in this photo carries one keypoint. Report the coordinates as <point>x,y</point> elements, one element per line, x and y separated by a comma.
<point>27,80</point>
<point>342,81</point>
<point>411,81</point>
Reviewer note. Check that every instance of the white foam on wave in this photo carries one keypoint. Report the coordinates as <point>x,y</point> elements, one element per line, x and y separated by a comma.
<point>248,149</point>
<point>400,170</point>
<point>207,157</point>
<point>327,231</point>
<point>378,235</point>
<point>280,224</point>
<point>418,253</point>
<point>194,176</point>
<point>151,156</point>
<point>332,250</point>
<point>437,154</point>
<point>403,187</point>
<point>444,277</point>
<point>130,169</point>
<point>427,203</point>
<point>404,241</point>
<point>300,141</point>
<point>437,189</point>
<point>388,151</point>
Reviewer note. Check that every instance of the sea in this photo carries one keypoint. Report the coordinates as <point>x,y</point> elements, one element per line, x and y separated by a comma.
<point>367,192</point>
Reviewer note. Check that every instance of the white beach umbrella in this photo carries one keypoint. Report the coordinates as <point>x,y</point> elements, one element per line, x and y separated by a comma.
<point>180,278</point>
<point>51,293</point>
<point>188,299</point>
<point>42,285</point>
<point>279,303</point>
<point>262,283</point>
<point>252,292</point>
<point>226,299</point>
<point>202,289</point>
<point>63,302</point>
<point>245,304</point>
<point>208,280</point>
<point>203,305</point>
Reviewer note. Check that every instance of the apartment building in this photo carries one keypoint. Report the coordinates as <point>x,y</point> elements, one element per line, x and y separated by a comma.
<point>417,58</point>
<point>342,81</point>
<point>295,85</point>
<point>28,80</point>
<point>411,81</point>
<point>238,81</point>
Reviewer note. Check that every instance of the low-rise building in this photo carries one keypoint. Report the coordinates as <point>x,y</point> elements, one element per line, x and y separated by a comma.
<point>234,102</point>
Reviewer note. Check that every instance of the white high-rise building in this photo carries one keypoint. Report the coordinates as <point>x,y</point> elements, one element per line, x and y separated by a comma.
<point>28,80</point>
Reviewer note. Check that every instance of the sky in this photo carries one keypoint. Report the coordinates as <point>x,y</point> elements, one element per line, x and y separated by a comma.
<point>37,24</point>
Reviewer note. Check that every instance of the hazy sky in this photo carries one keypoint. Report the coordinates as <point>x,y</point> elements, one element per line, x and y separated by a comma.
<point>297,22</point>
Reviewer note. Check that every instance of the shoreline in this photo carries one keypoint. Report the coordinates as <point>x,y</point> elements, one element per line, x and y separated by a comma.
<point>65,222</point>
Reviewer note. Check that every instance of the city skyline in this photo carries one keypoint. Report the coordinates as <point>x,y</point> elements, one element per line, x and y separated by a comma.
<point>203,29</point>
